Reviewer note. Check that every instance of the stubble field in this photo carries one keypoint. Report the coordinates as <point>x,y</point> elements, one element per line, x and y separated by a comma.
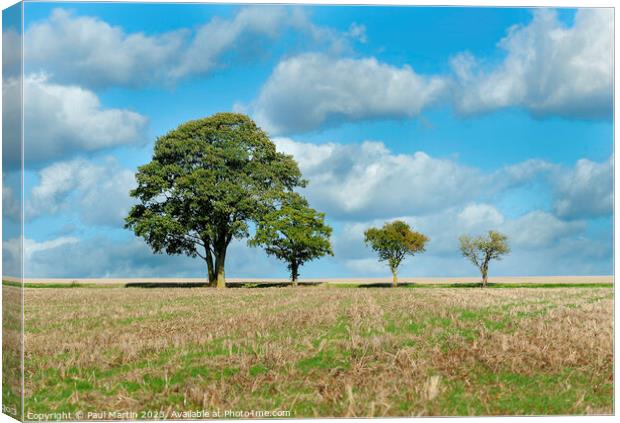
<point>319,351</point>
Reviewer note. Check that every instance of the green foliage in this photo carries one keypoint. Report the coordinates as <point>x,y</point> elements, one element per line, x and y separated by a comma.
<point>293,232</point>
<point>208,178</point>
<point>393,242</point>
<point>481,250</point>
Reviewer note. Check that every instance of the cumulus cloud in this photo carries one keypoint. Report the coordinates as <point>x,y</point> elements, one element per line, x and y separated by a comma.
<point>308,91</point>
<point>536,233</point>
<point>549,69</point>
<point>12,257</point>
<point>477,217</point>
<point>525,172</point>
<point>13,252</point>
<point>91,52</point>
<point>79,185</point>
<point>363,185</point>
<point>99,193</point>
<point>64,119</point>
<point>11,204</point>
<point>11,122</point>
<point>367,179</point>
<point>535,229</point>
<point>102,257</point>
<point>586,190</point>
<point>539,229</point>
<point>11,53</point>
<point>219,35</point>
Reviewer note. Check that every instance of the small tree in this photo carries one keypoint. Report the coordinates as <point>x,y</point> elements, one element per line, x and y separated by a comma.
<point>207,180</point>
<point>294,233</point>
<point>482,249</point>
<point>393,242</point>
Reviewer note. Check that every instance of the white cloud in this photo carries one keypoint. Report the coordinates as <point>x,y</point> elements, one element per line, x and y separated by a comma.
<point>368,267</point>
<point>533,237</point>
<point>475,216</point>
<point>211,40</point>
<point>526,171</point>
<point>549,69</point>
<point>91,52</point>
<point>11,207</point>
<point>12,257</point>
<point>442,227</point>
<point>539,229</point>
<point>445,226</point>
<point>311,90</point>
<point>11,53</point>
<point>366,180</point>
<point>13,252</point>
<point>536,229</point>
<point>101,257</point>
<point>99,193</point>
<point>541,244</point>
<point>32,247</point>
<point>586,190</point>
<point>363,185</point>
<point>11,122</point>
<point>61,120</point>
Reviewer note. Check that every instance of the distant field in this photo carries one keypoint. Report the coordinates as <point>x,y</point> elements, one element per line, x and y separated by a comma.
<point>421,281</point>
<point>320,352</point>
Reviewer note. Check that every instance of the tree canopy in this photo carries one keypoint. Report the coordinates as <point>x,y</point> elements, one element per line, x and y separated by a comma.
<point>207,180</point>
<point>293,232</point>
<point>481,250</point>
<point>393,242</point>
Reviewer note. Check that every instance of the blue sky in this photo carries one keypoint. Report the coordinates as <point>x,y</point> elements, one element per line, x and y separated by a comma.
<point>416,113</point>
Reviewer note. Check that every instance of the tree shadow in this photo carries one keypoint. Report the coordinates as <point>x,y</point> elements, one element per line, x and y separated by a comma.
<point>426,285</point>
<point>166,285</point>
<point>388,285</point>
<point>206,285</point>
<point>269,284</point>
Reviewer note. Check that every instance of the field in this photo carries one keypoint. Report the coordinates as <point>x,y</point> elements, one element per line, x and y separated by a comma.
<point>319,351</point>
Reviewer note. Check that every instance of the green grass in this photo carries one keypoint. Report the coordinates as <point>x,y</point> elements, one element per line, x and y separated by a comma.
<point>322,352</point>
<point>324,360</point>
<point>510,393</point>
<point>60,285</point>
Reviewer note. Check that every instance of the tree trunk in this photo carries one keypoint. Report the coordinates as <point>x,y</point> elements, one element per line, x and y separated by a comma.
<point>210,272</point>
<point>221,279</point>
<point>394,277</point>
<point>219,269</point>
<point>485,273</point>
<point>212,279</point>
<point>294,272</point>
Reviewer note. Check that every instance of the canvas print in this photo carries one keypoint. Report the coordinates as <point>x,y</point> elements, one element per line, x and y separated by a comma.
<point>298,210</point>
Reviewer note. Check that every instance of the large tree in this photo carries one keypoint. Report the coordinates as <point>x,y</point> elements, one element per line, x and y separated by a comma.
<point>481,250</point>
<point>207,180</point>
<point>393,242</point>
<point>293,232</point>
